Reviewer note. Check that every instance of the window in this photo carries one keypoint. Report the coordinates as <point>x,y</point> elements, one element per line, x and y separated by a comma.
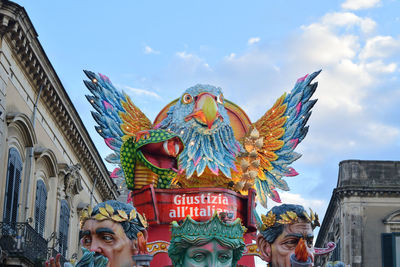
<point>391,249</point>
<point>63,228</point>
<point>40,207</point>
<point>336,253</point>
<point>14,171</point>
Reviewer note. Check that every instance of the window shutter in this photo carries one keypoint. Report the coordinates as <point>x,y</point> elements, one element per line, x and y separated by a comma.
<point>63,228</point>
<point>14,170</point>
<point>40,207</point>
<point>387,250</point>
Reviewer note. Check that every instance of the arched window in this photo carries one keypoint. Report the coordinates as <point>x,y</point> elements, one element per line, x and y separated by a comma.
<point>63,229</point>
<point>14,172</point>
<point>40,207</point>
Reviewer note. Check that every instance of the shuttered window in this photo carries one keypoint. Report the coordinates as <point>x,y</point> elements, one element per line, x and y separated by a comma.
<point>14,171</point>
<point>63,228</point>
<point>40,207</point>
<point>391,249</point>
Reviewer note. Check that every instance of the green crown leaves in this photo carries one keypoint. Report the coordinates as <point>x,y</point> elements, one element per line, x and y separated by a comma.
<point>214,227</point>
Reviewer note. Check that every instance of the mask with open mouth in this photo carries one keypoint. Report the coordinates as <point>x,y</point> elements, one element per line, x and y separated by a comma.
<point>155,151</point>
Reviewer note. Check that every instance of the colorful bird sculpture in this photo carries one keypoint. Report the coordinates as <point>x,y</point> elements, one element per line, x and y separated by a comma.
<point>210,154</point>
<point>144,156</point>
<point>271,142</point>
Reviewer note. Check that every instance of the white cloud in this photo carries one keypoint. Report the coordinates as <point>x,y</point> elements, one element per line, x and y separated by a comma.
<point>149,50</point>
<point>381,134</point>
<point>144,92</point>
<point>379,66</point>
<point>380,47</point>
<point>231,56</point>
<point>192,61</point>
<point>359,4</point>
<point>347,20</point>
<point>253,40</point>
<point>320,45</point>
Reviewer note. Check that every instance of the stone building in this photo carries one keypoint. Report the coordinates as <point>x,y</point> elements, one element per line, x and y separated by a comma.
<point>49,166</point>
<point>363,216</point>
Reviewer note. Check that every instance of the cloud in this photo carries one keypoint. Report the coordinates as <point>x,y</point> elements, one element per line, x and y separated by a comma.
<point>253,40</point>
<point>359,4</point>
<point>143,92</point>
<point>149,50</point>
<point>231,56</point>
<point>192,62</point>
<point>347,20</point>
<point>380,47</point>
<point>381,133</point>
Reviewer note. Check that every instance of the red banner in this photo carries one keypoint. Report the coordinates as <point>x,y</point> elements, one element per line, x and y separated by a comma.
<point>162,206</point>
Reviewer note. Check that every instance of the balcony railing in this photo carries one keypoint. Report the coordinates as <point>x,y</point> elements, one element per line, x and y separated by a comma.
<point>22,241</point>
<point>53,253</point>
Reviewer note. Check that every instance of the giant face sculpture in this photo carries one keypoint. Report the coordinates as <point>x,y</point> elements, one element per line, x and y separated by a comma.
<point>109,235</point>
<point>216,242</point>
<point>286,236</point>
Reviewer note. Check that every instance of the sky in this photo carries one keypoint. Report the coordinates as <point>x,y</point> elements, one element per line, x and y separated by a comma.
<point>255,51</point>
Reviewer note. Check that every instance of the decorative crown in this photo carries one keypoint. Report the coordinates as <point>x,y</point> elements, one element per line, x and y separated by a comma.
<point>290,217</point>
<point>108,213</point>
<point>214,227</point>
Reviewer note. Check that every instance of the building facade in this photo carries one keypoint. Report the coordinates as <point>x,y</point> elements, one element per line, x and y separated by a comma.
<point>49,166</point>
<point>363,216</point>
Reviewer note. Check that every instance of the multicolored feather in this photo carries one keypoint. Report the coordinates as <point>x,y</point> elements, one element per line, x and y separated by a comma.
<point>281,129</point>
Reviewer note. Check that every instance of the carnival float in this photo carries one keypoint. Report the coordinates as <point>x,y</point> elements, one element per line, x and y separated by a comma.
<point>201,167</point>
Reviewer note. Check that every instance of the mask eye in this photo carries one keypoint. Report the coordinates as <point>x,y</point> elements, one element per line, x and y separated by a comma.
<point>187,98</point>
<point>220,99</point>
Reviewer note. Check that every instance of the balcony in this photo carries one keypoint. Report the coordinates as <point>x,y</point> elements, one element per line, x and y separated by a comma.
<point>20,240</point>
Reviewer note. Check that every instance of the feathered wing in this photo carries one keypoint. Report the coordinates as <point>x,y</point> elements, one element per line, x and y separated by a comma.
<point>117,117</point>
<point>282,128</point>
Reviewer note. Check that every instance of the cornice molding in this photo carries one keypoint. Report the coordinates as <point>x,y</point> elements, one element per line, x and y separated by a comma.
<point>17,29</point>
<point>351,191</point>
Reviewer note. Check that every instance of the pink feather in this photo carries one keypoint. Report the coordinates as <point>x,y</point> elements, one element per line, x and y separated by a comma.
<point>114,173</point>
<point>298,109</point>
<point>104,77</point>
<point>129,198</point>
<point>302,78</point>
<point>275,196</point>
<point>292,172</point>
<point>107,105</point>
<point>108,142</point>
<point>195,162</point>
<point>294,142</point>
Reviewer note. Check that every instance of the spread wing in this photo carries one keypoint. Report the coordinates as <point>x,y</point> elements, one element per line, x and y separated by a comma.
<point>281,129</point>
<point>117,117</point>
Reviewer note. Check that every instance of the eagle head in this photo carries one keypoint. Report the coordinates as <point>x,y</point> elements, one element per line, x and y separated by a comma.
<point>200,118</point>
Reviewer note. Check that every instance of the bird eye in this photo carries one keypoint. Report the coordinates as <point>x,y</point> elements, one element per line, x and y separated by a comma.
<point>187,98</point>
<point>220,99</point>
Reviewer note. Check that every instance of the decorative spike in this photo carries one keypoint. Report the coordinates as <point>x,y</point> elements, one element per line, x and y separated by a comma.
<point>254,134</point>
<point>244,164</point>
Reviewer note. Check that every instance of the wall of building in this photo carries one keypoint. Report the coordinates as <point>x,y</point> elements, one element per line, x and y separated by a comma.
<point>55,147</point>
<point>364,205</point>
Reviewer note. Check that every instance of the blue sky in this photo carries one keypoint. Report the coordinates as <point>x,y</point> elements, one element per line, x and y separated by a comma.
<point>255,51</point>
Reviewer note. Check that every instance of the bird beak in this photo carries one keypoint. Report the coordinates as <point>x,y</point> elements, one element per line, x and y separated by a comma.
<point>205,110</point>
